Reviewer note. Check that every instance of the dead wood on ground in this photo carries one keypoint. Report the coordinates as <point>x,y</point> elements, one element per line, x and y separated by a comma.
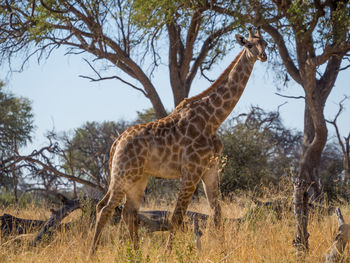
<point>340,241</point>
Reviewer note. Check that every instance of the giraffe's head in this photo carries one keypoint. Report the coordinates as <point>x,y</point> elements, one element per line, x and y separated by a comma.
<point>255,45</point>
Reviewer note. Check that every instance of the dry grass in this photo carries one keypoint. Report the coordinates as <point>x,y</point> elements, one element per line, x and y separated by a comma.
<point>262,238</point>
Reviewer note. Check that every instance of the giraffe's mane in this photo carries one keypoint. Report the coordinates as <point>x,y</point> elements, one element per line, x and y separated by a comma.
<point>220,79</point>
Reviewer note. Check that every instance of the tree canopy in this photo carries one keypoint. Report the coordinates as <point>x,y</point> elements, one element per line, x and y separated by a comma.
<point>128,35</point>
<point>16,126</point>
<point>16,122</point>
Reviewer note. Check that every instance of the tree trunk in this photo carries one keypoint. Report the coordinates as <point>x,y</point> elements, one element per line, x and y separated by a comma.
<point>15,186</point>
<point>153,96</point>
<point>157,105</point>
<point>347,160</point>
<point>179,92</point>
<point>307,184</point>
<point>75,194</point>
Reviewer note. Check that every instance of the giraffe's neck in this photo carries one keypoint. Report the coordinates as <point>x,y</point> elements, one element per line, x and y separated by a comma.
<point>223,98</point>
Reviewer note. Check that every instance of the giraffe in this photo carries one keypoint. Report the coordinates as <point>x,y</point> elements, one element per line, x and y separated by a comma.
<point>182,145</point>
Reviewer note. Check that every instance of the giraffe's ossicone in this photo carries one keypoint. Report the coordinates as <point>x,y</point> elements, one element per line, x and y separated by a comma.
<point>182,145</point>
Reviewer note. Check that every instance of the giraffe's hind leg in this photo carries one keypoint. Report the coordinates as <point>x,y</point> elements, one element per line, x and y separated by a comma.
<point>211,187</point>
<point>132,205</point>
<point>104,211</point>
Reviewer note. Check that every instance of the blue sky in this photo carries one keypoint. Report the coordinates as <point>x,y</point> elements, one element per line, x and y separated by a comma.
<point>64,101</point>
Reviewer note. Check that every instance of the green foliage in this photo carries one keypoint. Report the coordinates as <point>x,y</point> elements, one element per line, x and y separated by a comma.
<point>7,199</point>
<point>16,125</point>
<point>145,116</point>
<point>331,169</point>
<point>185,250</point>
<point>152,18</point>
<point>16,121</point>
<point>155,13</point>
<point>133,256</point>
<point>87,150</point>
<point>259,150</point>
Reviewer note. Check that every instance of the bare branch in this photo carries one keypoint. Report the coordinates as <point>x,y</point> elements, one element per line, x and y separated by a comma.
<point>45,165</point>
<point>344,68</point>
<point>329,51</point>
<point>283,51</point>
<point>280,106</point>
<point>290,97</point>
<point>111,77</point>
<point>208,44</point>
<point>334,123</point>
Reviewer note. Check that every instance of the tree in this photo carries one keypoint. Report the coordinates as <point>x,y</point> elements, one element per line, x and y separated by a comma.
<point>145,116</point>
<point>87,151</point>
<point>16,126</point>
<point>16,122</point>
<point>258,150</point>
<point>312,40</point>
<point>121,33</point>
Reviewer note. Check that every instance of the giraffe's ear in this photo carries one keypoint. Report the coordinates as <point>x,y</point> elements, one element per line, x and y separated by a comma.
<point>240,39</point>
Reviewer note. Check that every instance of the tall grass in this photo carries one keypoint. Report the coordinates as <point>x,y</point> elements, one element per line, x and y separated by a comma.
<point>262,237</point>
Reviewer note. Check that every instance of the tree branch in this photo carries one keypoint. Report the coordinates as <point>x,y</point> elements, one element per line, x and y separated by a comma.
<point>46,165</point>
<point>290,97</point>
<point>334,123</point>
<point>208,44</point>
<point>329,51</point>
<point>287,61</point>
<point>192,34</point>
<point>111,77</point>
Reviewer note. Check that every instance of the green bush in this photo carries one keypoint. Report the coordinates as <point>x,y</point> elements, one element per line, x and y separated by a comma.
<point>258,150</point>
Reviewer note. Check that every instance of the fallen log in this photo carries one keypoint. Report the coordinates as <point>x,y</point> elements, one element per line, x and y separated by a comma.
<point>56,218</point>
<point>197,234</point>
<point>158,220</point>
<point>341,239</point>
<point>152,221</point>
<point>155,220</point>
<point>11,224</point>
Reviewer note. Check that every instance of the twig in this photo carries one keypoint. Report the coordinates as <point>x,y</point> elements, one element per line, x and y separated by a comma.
<point>290,97</point>
<point>111,77</point>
